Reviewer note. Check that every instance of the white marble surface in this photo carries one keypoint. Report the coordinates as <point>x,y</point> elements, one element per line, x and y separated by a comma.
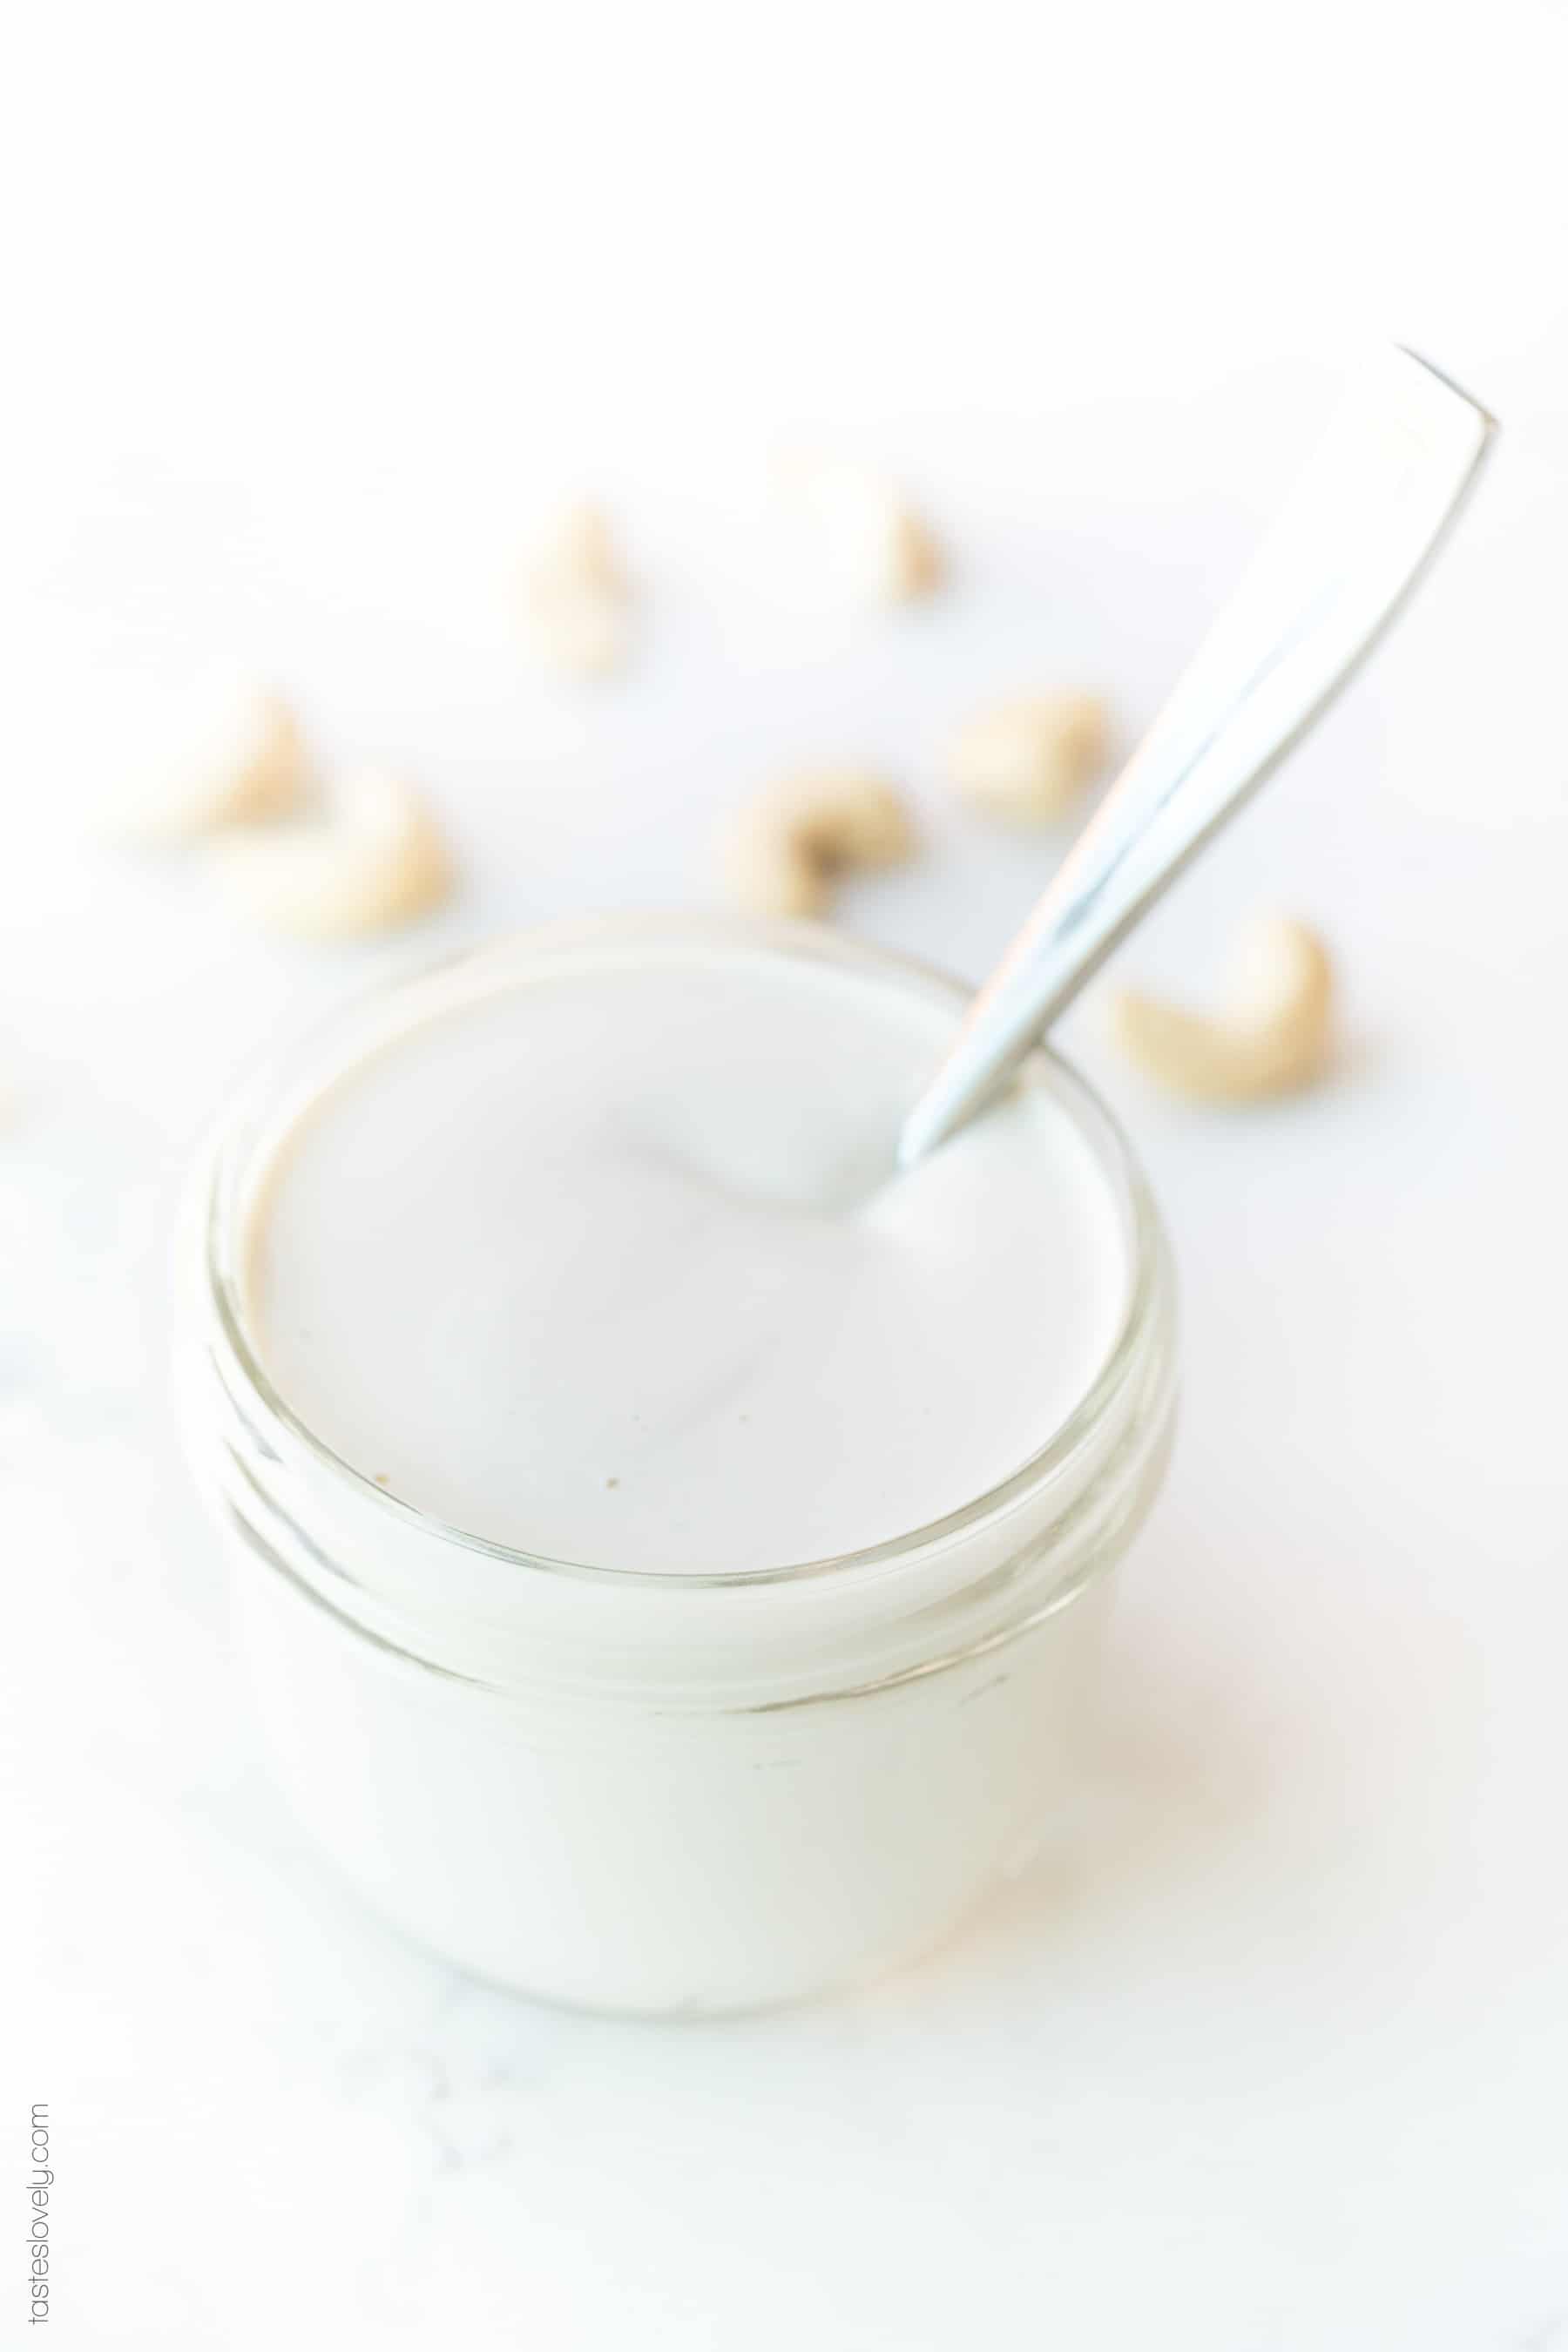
<point>320,312</point>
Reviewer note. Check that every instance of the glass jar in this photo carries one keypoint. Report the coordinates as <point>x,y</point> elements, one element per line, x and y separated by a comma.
<point>658,1792</point>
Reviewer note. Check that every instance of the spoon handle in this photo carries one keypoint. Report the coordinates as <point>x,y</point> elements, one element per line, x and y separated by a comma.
<point>1353,539</point>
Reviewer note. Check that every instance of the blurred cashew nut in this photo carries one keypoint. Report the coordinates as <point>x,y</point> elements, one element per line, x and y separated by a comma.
<point>1273,1037</point>
<point>870,537</point>
<point>239,756</point>
<point>1030,758</point>
<point>788,848</point>
<point>370,857</point>
<point>576,603</point>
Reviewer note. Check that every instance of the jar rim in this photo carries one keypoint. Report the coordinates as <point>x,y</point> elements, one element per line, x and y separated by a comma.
<point>1095,1122</point>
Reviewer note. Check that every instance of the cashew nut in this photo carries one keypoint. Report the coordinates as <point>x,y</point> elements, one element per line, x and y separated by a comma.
<point>1274,1037</point>
<point>576,602</point>
<point>786,847</point>
<point>871,538</point>
<point>1030,758</point>
<point>371,857</point>
<point>241,757</point>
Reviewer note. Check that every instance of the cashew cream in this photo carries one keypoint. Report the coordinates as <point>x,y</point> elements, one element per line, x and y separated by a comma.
<point>617,1271</point>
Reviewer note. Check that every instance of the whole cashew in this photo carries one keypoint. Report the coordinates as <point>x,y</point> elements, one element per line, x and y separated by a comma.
<point>872,539</point>
<point>371,858</point>
<point>241,757</point>
<point>787,846</point>
<point>1030,758</point>
<point>576,602</point>
<point>1273,1038</point>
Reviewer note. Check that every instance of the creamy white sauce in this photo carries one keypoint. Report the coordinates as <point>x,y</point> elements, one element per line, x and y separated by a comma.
<point>611,1267</point>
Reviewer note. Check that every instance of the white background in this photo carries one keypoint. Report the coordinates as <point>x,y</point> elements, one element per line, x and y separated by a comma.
<point>309,310</point>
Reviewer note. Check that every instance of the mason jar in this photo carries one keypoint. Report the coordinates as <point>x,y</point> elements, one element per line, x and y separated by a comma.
<point>662,1792</point>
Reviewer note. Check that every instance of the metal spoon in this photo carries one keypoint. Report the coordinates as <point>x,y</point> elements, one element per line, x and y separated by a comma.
<point>1360,530</point>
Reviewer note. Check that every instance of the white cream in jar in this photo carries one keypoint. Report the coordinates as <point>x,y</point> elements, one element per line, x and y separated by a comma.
<point>679,1538</point>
